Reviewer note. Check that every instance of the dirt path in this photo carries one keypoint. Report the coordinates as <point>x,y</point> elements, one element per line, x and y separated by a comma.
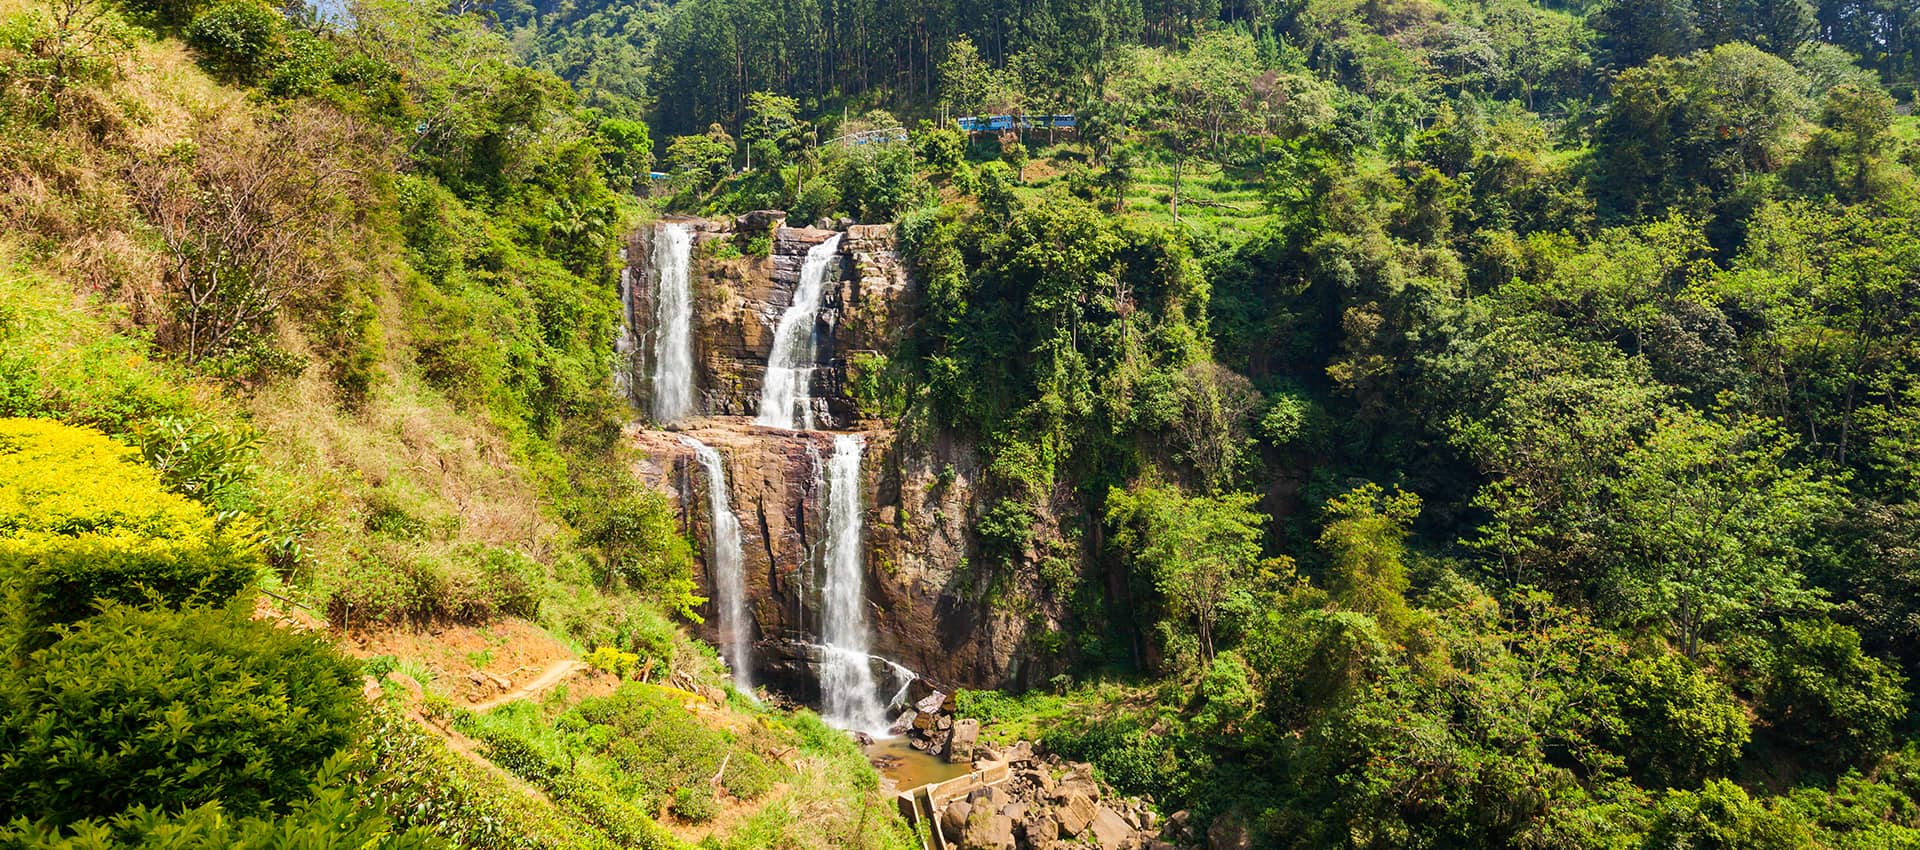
<point>553,675</point>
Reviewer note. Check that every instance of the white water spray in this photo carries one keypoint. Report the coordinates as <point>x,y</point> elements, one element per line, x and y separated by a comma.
<point>847,690</point>
<point>785,400</point>
<point>673,323</point>
<point>724,564</point>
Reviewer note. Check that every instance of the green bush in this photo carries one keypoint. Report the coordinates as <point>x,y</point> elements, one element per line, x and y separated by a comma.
<point>695,803</point>
<point>201,459</point>
<point>307,64</point>
<point>390,582</point>
<point>1826,695</point>
<point>1006,530</point>
<point>942,149</point>
<point>646,731</point>
<point>1134,758</point>
<point>81,521</point>
<point>418,783</point>
<point>1722,815</point>
<point>573,789</point>
<point>172,709</point>
<point>238,39</point>
<point>609,659</point>
<point>639,539</point>
<point>330,820</point>
<point>1681,725</point>
<point>879,183</point>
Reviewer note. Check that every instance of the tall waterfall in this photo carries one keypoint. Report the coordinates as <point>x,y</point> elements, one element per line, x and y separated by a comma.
<point>847,689</point>
<point>784,392</point>
<point>673,323</point>
<point>725,565</point>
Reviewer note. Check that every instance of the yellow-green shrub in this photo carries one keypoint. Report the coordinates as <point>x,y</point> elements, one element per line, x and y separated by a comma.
<point>81,520</point>
<point>612,660</point>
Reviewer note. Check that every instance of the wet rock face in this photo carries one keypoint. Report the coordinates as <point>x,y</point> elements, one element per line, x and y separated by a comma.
<point>738,301</point>
<point>929,612</point>
<point>917,537</point>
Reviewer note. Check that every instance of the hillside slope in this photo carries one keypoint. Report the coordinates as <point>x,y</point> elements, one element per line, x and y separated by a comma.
<point>401,392</point>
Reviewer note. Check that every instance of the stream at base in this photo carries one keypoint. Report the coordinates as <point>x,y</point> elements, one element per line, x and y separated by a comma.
<point>903,768</point>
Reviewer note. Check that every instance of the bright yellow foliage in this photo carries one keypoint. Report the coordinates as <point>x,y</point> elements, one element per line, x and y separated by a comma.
<point>612,660</point>
<point>59,481</point>
<point>83,520</point>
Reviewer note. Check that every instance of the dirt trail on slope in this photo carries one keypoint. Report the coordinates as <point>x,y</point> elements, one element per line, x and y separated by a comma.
<point>553,675</point>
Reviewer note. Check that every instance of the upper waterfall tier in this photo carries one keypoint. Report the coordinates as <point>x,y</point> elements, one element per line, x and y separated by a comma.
<point>786,399</point>
<point>673,323</point>
<point>739,296</point>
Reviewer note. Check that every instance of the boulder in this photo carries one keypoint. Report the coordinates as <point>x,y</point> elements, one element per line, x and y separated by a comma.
<point>960,747</point>
<point>903,723</point>
<point>988,830</point>
<point>932,703</point>
<point>760,220</point>
<point>488,680</point>
<point>1076,813</point>
<point>1111,831</point>
<point>1075,784</point>
<point>1042,832</point>
<point>1179,822</point>
<point>953,821</point>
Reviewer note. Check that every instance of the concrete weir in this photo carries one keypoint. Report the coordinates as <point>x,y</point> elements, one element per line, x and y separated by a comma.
<point>923,804</point>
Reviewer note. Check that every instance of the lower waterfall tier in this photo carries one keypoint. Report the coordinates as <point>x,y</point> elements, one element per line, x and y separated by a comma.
<point>925,610</point>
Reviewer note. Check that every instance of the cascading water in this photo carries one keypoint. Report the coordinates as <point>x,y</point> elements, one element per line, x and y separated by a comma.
<point>724,563</point>
<point>673,323</point>
<point>847,689</point>
<point>785,391</point>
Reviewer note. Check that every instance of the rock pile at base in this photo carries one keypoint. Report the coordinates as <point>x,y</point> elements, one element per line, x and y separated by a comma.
<point>930,727</point>
<point>1050,803</point>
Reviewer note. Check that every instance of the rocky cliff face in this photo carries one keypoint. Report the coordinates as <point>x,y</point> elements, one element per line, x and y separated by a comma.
<point>929,610</point>
<point>739,298</point>
<point>926,609</point>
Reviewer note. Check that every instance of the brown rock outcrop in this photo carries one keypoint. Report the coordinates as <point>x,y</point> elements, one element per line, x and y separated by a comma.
<point>930,613</point>
<point>738,301</point>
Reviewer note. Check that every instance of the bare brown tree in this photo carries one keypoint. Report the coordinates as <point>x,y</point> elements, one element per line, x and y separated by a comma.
<point>250,216</point>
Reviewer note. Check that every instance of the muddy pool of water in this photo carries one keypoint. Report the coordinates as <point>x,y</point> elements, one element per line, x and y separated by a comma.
<point>905,767</point>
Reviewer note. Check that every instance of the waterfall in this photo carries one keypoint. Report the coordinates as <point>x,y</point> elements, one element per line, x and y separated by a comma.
<point>784,391</point>
<point>847,690</point>
<point>673,323</point>
<point>724,565</point>
<point>906,678</point>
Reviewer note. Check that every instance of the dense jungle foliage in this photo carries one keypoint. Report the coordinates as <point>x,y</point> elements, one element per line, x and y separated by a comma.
<point>1459,424</point>
<point>1481,423</point>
